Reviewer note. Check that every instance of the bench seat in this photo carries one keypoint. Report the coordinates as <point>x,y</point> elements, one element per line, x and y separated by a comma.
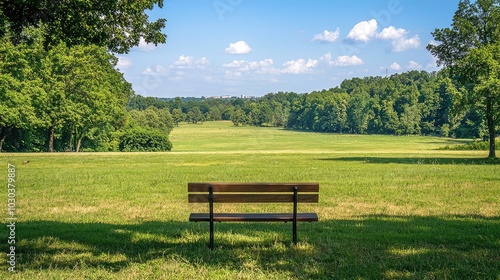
<point>253,217</point>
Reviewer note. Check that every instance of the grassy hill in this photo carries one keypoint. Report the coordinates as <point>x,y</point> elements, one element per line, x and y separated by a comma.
<point>390,207</point>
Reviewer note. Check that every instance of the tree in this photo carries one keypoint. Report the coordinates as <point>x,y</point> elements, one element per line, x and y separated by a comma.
<point>470,51</point>
<point>215,114</point>
<point>68,92</point>
<point>357,111</point>
<point>15,102</point>
<point>239,117</point>
<point>195,115</point>
<point>178,116</point>
<point>114,24</point>
<point>83,91</point>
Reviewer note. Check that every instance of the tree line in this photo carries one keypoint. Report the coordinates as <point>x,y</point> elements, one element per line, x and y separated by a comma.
<point>411,103</point>
<point>60,89</point>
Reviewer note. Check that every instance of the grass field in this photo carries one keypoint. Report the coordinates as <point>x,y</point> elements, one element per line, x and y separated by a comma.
<point>390,208</point>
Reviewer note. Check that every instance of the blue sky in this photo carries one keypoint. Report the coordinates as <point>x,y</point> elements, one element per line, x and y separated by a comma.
<point>254,47</point>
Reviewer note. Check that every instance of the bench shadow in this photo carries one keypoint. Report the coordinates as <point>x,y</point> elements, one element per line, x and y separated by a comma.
<point>416,160</point>
<point>442,247</point>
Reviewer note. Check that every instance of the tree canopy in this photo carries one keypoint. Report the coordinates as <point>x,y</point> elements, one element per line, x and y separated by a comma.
<point>470,52</point>
<point>115,24</point>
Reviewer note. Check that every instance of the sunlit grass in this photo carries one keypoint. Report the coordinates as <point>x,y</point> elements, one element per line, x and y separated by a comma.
<point>390,207</point>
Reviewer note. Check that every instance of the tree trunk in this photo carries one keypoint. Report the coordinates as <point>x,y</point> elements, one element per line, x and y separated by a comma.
<point>3,135</point>
<point>51,139</point>
<point>78,144</point>
<point>491,126</point>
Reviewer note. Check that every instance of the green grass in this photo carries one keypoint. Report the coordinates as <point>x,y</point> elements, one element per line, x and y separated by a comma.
<point>390,207</point>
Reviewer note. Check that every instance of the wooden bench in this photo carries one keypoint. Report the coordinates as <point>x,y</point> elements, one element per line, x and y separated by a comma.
<point>292,193</point>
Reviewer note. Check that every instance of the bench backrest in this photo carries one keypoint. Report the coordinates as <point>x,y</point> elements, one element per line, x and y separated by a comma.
<point>252,192</point>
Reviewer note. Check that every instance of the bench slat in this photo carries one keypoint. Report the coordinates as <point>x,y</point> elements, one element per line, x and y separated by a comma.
<point>253,217</point>
<point>253,187</point>
<point>252,198</point>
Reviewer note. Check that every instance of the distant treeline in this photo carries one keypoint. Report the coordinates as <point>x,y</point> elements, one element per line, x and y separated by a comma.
<point>411,103</point>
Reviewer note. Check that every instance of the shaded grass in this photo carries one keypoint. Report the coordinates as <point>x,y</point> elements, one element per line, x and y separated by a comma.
<point>390,207</point>
<point>369,247</point>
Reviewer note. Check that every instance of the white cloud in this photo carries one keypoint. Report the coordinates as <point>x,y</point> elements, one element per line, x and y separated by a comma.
<point>157,70</point>
<point>189,62</point>
<point>123,63</point>
<point>238,67</point>
<point>235,64</point>
<point>345,60</point>
<point>184,60</point>
<point>395,66</point>
<point>148,71</point>
<point>143,46</point>
<point>327,57</point>
<point>299,66</point>
<point>202,61</point>
<point>260,67</point>
<point>414,65</point>
<point>327,36</point>
<point>240,47</point>
<point>363,31</point>
<point>391,33</point>
<point>403,44</point>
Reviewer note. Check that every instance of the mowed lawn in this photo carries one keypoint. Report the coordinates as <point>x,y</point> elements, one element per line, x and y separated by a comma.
<point>390,208</point>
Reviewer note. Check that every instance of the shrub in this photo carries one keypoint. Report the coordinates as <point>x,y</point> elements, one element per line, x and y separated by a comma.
<point>478,145</point>
<point>142,140</point>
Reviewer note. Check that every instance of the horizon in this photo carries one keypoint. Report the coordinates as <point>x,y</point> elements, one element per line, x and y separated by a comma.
<point>243,96</point>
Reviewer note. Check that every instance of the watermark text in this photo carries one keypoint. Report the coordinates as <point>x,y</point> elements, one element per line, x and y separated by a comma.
<point>11,220</point>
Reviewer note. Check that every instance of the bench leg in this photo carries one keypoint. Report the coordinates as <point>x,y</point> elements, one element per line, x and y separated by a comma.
<point>211,206</point>
<point>295,199</point>
<point>211,246</point>
<point>295,233</point>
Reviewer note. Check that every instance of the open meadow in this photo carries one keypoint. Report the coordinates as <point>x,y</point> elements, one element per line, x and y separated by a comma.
<point>390,208</point>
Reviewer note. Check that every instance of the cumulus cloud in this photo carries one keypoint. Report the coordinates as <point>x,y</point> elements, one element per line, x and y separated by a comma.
<point>123,63</point>
<point>346,60</point>
<point>143,46</point>
<point>148,71</point>
<point>157,70</point>
<point>260,67</point>
<point>327,36</point>
<point>240,47</point>
<point>189,62</point>
<point>299,66</point>
<point>237,67</point>
<point>363,31</point>
<point>327,57</point>
<point>403,44</point>
<point>414,65</point>
<point>395,66</point>
<point>391,33</point>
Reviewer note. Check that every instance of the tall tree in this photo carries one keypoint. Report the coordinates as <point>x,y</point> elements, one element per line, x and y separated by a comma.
<point>470,51</point>
<point>20,85</point>
<point>115,24</point>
